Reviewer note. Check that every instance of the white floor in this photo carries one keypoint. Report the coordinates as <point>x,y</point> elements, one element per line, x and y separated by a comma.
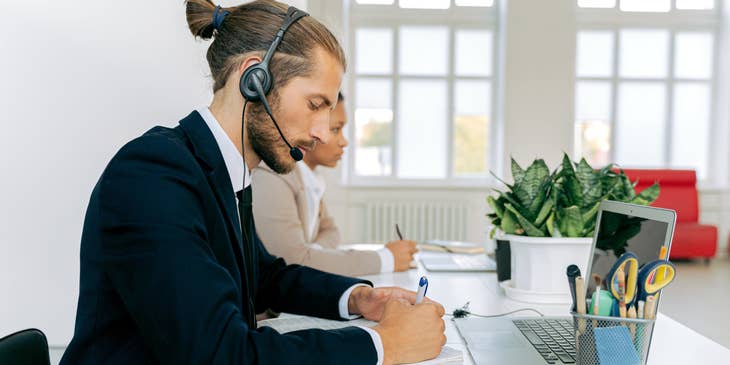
<point>698,298</point>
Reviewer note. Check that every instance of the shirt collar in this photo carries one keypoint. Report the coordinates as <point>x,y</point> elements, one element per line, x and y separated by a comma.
<point>235,164</point>
<point>313,181</point>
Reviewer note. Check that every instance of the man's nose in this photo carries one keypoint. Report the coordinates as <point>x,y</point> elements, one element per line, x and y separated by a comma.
<point>320,129</point>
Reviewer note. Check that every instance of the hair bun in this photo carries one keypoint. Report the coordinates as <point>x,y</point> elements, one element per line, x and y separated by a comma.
<point>200,17</point>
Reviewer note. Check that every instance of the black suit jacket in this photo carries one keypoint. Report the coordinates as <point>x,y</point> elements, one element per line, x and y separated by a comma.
<point>163,277</point>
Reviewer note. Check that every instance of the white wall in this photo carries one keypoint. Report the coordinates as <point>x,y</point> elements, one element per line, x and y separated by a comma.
<point>538,80</point>
<point>77,81</point>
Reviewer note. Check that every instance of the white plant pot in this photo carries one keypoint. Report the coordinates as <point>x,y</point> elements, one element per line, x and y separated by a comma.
<point>539,263</point>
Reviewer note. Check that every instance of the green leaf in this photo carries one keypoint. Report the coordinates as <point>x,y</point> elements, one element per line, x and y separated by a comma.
<point>567,164</point>
<point>552,226</point>
<point>510,225</point>
<point>590,215</point>
<point>585,173</point>
<point>531,185</point>
<point>497,206</point>
<point>570,221</point>
<point>518,173</point>
<point>529,228</point>
<point>492,232</point>
<point>500,180</point>
<point>533,210</point>
<point>544,212</point>
<point>647,196</point>
<point>624,190</point>
<point>593,195</point>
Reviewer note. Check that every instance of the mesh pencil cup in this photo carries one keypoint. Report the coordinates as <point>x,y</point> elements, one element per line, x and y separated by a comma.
<point>611,340</point>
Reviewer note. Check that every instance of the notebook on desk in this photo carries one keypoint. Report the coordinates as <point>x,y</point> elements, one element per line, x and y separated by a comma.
<point>452,247</point>
<point>446,262</point>
<point>290,322</point>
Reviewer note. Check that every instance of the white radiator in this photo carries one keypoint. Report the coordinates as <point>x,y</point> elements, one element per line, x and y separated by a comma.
<point>418,220</point>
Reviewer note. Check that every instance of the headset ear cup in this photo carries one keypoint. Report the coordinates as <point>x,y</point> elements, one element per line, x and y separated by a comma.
<point>246,84</point>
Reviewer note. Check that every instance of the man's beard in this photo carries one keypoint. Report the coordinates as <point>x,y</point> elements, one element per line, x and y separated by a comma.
<point>266,141</point>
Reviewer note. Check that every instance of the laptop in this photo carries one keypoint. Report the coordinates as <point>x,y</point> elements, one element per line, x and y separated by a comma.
<point>550,340</point>
<point>440,262</point>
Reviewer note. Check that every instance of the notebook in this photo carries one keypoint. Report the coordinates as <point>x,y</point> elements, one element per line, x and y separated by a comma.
<point>452,246</point>
<point>290,322</point>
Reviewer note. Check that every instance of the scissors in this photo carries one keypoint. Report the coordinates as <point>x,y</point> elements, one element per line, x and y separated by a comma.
<point>622,280</point>
<point>653,277</point>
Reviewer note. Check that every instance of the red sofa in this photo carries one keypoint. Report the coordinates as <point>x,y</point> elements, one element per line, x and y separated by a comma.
<point>679,192</point>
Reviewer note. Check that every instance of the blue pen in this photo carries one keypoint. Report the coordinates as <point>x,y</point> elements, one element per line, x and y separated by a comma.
<point>422,288</point>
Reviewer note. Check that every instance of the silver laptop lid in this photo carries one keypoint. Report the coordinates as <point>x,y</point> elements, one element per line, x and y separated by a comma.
<point>625,227</point>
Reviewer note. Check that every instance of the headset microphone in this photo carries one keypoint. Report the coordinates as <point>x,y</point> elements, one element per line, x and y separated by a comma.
<point>257,80</point>
<point>294,152</point>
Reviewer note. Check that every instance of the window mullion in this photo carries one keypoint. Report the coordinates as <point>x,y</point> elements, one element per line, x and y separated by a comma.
<point>669,102</point>
<point>613,117</point>
<point>394,103</point>
<point>450,80</point>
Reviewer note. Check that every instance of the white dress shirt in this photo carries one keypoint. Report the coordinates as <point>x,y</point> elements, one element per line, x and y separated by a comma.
<point>236,167</point>
<point>314,187</point>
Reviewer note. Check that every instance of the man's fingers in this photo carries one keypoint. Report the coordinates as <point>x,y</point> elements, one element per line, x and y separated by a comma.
<point>438,308</point>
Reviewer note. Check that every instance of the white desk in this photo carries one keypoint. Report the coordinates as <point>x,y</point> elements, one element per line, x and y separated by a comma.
<point>673,343</point>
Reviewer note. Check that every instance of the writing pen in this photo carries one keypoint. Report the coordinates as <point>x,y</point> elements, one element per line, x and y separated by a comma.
<point>422,288</point>
<point>397,231</point>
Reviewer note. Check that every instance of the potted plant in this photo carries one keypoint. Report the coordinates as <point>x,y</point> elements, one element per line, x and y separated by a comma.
<point>549,218</point>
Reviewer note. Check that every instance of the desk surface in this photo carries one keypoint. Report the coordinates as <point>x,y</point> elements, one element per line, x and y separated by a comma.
<point>673,343</point>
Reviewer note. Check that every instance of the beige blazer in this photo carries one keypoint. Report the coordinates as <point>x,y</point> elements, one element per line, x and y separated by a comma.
<point>280,214</point>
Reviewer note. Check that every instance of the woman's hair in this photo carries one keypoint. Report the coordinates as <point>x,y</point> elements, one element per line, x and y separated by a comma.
<point>249,29</point>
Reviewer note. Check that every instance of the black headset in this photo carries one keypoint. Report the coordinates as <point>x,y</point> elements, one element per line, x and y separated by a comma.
<point>256,81</point>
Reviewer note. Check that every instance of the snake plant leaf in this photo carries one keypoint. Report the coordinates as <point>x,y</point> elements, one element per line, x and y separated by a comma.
<point>510,224</point>
<point>552,227</point>
<point>586,175</point>
<point>518,173</point>
<point>529,228</point>
<point>590,214</point>
<point>497,206</point>
<point>567,181</point>
<point>533,210</point>
<point>544,213</point>
<point>570,221</point>
<point>647,196</point>
<point>625,190</point>
<point>530,186</point>
<point>502,181</point>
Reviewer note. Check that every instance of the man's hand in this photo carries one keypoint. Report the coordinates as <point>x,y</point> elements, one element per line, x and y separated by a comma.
<point>370,302</point>
<point>411,333</point>
<point>402,253</point>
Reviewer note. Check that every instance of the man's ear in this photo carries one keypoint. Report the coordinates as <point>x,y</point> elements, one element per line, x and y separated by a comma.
<point>248,62</point>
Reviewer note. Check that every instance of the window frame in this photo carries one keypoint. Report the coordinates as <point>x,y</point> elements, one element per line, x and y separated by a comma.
<point>675,21</point>
<point>392,17</point>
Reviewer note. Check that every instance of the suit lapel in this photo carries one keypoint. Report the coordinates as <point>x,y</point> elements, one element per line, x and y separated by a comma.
<point>207,150</point>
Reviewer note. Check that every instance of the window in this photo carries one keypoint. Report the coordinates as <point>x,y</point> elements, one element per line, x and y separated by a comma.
<point>421,90</point>
<point>644,83</point>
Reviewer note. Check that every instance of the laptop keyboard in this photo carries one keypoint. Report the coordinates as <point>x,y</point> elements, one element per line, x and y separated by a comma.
<point>552,338</point>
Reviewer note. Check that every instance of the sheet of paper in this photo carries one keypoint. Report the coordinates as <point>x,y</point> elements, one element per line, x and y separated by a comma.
<point>447,356</point>
<point>290,322</point>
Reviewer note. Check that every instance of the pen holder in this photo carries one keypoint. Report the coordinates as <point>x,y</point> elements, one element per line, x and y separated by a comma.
<point>611,340</point>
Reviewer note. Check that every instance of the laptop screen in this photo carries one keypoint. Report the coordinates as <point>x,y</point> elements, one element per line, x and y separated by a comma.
<point>618,233</point>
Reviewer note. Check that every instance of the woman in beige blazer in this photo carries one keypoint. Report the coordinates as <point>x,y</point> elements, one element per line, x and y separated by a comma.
<point>293,222</point>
